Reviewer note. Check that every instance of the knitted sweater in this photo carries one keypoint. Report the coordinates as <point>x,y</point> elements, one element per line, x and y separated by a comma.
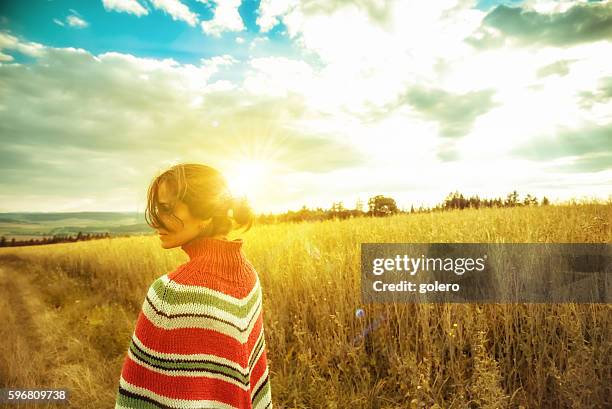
<point>199,340</point>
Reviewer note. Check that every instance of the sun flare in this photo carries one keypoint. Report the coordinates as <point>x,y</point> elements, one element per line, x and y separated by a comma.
<point>247,177</point>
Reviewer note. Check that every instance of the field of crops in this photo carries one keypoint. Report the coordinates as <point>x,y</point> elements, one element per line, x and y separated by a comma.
<point>68,311</point>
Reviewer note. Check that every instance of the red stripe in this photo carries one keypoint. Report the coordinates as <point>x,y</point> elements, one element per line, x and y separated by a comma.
<point>259,369</point>
<point>196,340</point>
<point>184,387</point>
<point>254,335</point>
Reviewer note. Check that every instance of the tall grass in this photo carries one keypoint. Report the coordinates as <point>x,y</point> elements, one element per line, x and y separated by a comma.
<point>85,297</point>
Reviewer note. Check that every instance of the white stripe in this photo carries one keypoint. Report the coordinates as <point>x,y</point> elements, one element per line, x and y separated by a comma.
<point>199,322</point>
<point>260,382</point>
<point>264,401</point>
<point>176,403</point>
<point>205,290</point>
<point>261,334</point>
<point>191,308</point>
<point>215,358</point>
<point>258,357</point>
<point>267,398</point>
<point>170,309</point>
<point>187,372</point>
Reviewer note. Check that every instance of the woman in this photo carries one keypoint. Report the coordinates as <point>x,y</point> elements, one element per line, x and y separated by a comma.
<point>199,339</point>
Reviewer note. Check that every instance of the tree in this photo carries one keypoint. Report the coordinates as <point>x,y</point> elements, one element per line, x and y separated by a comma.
<point>474,202</point>
<point>382,206</point>
<point>512,199</point>
<point>337,207</point>
<point>530,200</point>
<point>455,200</point>
<point>545,201</point>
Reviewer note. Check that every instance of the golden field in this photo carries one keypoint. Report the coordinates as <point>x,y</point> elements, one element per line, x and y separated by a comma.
<point>68,312</point>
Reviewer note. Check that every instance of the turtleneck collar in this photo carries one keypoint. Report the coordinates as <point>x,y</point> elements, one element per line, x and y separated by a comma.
<point>219,252</point>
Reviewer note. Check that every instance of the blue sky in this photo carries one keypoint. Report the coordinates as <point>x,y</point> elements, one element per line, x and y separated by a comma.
<point>155,35</point>
<point>304,102</point>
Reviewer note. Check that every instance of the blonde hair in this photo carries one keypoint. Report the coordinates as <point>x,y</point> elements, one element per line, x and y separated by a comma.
<point>205,192</point>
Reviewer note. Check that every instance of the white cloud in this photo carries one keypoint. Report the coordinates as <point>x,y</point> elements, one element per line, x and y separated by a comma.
<point>529,106</point>
<point>219,61</point>
<point>370,62</point>
<point>221,86</point>
<point>10,42</point>
<point>548,7</point>
<point>239,40</point>
<point>75,21</point>
<point>271,10</point>
<point>277,76</point>
<point>258,40</point>
<point>125,6</point>
<point>177,10</point>
<point>226,18</point>
<point>138,112</point>
<point>5,57</point>
<point>354,91</point>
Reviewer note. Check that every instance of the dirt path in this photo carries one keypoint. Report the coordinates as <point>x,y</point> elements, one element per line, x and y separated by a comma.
<point>41,348</point>
<point>23,352</point>
<point>22,299</point>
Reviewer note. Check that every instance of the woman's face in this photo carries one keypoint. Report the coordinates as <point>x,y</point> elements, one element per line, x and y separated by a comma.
<point>175,234</point>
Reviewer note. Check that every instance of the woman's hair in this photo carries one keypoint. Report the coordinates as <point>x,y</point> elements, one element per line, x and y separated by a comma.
<point>205,192</point>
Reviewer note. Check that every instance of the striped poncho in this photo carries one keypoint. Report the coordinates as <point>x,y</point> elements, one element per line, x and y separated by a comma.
<point>199,339</point>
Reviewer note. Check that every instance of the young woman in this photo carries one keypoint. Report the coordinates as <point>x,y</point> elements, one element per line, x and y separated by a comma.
<point>199,339</point>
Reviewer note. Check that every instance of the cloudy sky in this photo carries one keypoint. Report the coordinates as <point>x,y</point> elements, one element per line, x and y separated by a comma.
<point>304,102</point>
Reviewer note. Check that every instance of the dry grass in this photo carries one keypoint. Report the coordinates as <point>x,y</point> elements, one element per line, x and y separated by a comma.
<point>69,316</point>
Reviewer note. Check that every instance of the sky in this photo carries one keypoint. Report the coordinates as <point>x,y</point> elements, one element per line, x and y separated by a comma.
<point>304,102</point>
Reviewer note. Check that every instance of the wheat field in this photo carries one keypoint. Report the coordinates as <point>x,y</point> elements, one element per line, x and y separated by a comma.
<point>68,311</point>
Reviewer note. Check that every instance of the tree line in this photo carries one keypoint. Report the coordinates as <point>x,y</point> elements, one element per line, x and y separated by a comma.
<point>380,206</point>
<point>56,238</point>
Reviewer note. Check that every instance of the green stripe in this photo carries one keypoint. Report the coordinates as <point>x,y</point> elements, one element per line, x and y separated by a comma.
<point>256,350</point>
<point>206,366</point>
<point>135,403</point>
<point>172,296</point>
<point>196,323</point>
<point>262,392</point>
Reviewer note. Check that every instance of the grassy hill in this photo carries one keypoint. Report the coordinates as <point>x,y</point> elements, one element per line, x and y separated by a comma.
<point>28,225</point>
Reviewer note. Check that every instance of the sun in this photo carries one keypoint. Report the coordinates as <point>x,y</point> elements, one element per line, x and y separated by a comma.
<point>248,177</point>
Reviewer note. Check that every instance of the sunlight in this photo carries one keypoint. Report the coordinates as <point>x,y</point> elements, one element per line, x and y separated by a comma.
<point>248,176</point>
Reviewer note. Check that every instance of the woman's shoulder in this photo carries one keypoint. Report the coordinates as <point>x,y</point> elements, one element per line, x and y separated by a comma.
<point>197,276</point>
<point>193,295</point>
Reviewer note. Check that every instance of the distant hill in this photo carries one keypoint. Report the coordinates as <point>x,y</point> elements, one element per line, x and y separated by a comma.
<point>14,221</point>
<point>47,224</point>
